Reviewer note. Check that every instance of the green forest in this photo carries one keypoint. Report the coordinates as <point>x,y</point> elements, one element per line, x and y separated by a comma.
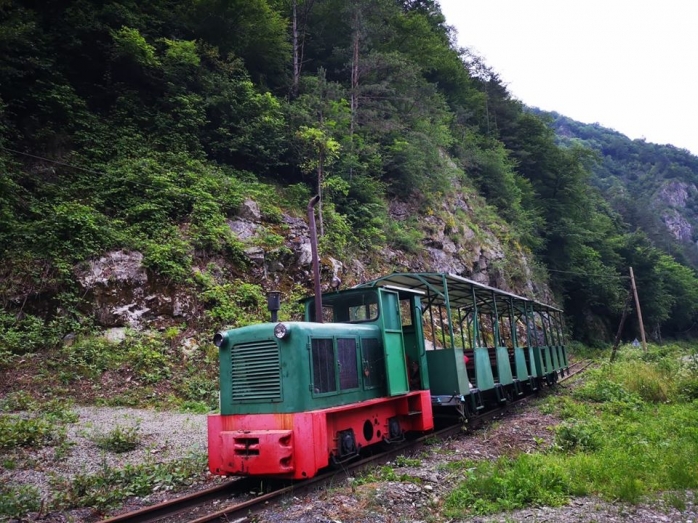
<point>144,125</point>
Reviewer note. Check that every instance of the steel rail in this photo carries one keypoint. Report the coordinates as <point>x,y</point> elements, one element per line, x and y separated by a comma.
<point>174,506</point>
<point>240,512</point>
<point>245,484</point>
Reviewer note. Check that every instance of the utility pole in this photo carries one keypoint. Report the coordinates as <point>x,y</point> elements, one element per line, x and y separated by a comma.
<point>639,312</point>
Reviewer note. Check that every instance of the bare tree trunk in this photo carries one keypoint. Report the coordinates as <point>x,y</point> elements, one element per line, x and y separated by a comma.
<point>320,174</point>
<point>296,54</point>
<point>354,85</point>
<point>354,78</point>
<point>299,22</point>
<point>616,342</point>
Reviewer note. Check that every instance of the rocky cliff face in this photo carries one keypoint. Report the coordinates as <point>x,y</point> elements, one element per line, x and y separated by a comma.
<point>673,197</point>
<point>124,294</point>
<point>121,293</point>
<point>676,193</point>
<point>678,226</point>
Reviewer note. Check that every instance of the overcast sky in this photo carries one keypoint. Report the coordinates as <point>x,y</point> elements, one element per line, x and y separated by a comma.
<point>630,65</point>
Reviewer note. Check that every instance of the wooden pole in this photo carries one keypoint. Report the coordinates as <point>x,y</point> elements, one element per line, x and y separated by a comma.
<point>620,327</point>
<point>639,311</point>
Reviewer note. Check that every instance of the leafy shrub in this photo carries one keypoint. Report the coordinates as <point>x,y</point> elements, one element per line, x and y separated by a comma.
<point>17,501</point>
<point>600,391</point>
<point>338,232</point>
<point>118,440</point>
<point>234,304</point>
<point>291,309</point>
<point>575,436</point>
<point>90,356</point>
<point>402,461</point>
<point>144,355</point>
<point>297,195</point>
<point>76,231</point>
<point>652,376</point>
<point>687,388</point>
<point>182,52</point>
<point>147,357</point>
<point>168,254</point>
<point>623,385</point>
<point>506,485</point>
<point>654,353</point>
<point>210,232</point>
<point>7,358</point>
<point>32,432</point>
<point>18,401</point>
<point>269,240</point>
<point>196,407</point>
<point>54,410</point>
<point>23,334</point>
<point>565,407</point>
<point>58,410</point>
<point>129,43</point>
<point>405,236</point>
<point>200,389</point>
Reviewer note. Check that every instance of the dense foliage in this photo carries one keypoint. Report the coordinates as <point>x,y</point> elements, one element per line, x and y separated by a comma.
<point>143,125</point>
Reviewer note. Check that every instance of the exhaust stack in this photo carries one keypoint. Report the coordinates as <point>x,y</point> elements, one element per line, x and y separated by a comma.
<point>316,262</point>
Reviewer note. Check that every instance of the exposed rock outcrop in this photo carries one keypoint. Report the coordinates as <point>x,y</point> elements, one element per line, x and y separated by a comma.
<point>678,226</point>
<point>676,193</point>
<point>121,294</point>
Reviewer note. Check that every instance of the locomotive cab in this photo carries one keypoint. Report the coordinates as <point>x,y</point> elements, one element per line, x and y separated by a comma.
<point>397,312</point>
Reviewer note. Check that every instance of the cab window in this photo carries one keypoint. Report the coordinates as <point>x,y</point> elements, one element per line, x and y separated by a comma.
<point>354,307</point>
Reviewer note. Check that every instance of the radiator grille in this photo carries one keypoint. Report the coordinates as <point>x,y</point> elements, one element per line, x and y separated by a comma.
<point>255,371</point>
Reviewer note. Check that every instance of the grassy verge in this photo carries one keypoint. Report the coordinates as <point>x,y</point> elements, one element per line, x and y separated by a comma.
<point>146,370</point>
<point>111,486</point>
<point>104,490</point>
<point>26,423</point>
<point>630,430</point>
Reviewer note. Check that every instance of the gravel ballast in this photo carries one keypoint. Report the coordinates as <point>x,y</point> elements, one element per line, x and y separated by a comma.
<point>162,436</point>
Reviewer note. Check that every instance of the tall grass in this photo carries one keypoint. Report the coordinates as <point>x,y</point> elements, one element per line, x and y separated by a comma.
<point>630,430</point>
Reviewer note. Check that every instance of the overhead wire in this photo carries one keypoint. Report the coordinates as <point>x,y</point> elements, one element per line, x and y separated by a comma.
<point>70,166</point>
<point>57,162</point>
<point>617,276</point>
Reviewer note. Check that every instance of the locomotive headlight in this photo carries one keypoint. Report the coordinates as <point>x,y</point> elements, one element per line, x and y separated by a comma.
<point>220,338</point>
<point>280,331</point>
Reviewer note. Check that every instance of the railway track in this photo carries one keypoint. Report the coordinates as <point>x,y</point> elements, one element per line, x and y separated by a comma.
<point>184,508</point>
<point>238,503</point>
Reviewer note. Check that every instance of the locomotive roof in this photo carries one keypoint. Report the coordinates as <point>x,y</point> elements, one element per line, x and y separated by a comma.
<point>458,290</point>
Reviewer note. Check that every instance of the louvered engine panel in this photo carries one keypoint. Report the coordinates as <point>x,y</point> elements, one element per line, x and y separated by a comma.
<point>256,372</point>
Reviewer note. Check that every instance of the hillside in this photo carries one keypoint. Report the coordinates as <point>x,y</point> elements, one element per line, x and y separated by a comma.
<point>653,187</point>
<point>157,159</point>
